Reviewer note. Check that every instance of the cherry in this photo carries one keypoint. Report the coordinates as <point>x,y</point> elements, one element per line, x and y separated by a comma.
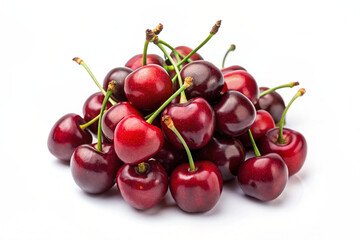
<point>195,187</point>
<point>66,135</point>
<point>118,75</point>
<point>272,103</point>
<point>114,115</point>
<point>263,177</point>
<point>234,114</point>
<point>91,109</point>
<point>226,152</point>
<point>289,144</point>
<point>263,122</point>
<point>142,186</point>
<point>233,67</point>
<point>137,61</point>
<point>184,51</point>
<point>195,120</point>
<point>148,87</point>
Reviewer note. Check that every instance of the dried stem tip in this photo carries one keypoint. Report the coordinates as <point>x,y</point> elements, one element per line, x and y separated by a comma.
<point>149,35</point>
<point>78,60</point>
<point>216,27</point>
<point>188,81</point>
<point>168,121</point>
<point>302,91</point>
<point>158,29</point>
<point>111,86</point>
<point>294,83</point>
<point>232,47</point>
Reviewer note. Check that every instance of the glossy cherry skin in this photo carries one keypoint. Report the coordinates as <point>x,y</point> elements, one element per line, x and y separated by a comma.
<point>271,102</point>
<point>136,141</point>
<point>114,115</point>
<point>226,152</point>
<point>93,171</point>
<point>137,61</point>
<point>234,114</point>
<point>91,109</point>
<point>197,191</point>
<point>231,69</point>
<point>195,121</point>
<point>293,151</point>
<point>263,177</point>
<point>263,122</point>
<point>66,135</point>
<point>148,87</point>
<point>118,75</point>
<point>170,157</point>
<point>143,190</point>
<point>207,82</point>
<point>184,51</point>
<point>243,82</point>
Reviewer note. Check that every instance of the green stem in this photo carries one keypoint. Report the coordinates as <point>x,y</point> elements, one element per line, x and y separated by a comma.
<point>232,48</point>
<point>191,160</point>
<point>173,49</point>
<point>290,85</point>
<point>256,150</point>
<point>106,98</point>
<point>86,125</point>
<point>145,52</point>
<point>281,139</point>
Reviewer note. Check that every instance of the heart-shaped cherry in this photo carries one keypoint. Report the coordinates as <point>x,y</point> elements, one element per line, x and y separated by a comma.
<point>263,177</point>
<point>118,75</point>
<point>289,144</point>
<point>142,186</point>
<point>66,135</point>
<point>234,114</point>
<point>137,61</point>
<point>226,152</point>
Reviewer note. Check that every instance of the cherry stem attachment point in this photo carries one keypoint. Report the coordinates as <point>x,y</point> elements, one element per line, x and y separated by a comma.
<point>232,48</point>
<point>82,63</point>
<point>170,124</point>
<point>141,167</point>
<point>290,85</point>
<point>187,83</point>
<point>256,150</point>
<point>281,139</point>
<point>111,88</point>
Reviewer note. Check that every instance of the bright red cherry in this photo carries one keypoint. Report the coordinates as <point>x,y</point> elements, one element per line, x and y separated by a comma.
<point>143,186</point>
<point>94,171</point>
<point>66,135</point>
<point>136,61</point>
<point>148,87</point>
<point>118,75</point>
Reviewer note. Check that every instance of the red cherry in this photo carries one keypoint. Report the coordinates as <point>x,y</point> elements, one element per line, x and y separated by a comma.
<point>148,87</point>
<point>118,75</point>
<point>231,69</point>
<point>66,135</point>
<point>272,103</point>
<point>142,190</point>
<point>136,61</point>
<point>93,171</point>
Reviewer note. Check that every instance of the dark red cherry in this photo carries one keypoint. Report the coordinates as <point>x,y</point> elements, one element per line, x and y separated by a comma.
<point>148,87</point>
<point>195,120</point>
<point>243,82</point>
<point>263,177</point>
<point>234,114</point>
<point>271,102</point>
<point>114,115</point>
<point>263,123</point>
<point>170,157</point>
<point>208,80</point>
<point>226,152</point>
<point>118,75</point>
<point>91,109</point>
<point>143,190</point>
<point>136,61</point>
<point>93,171</point>
<point>136,141</point>
<point>231,69</point>
<point>293,151</point>
<point>196,191</point>
<point>66,135</point>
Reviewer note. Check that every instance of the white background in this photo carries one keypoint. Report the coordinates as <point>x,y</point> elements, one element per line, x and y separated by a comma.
<point>314,42</point>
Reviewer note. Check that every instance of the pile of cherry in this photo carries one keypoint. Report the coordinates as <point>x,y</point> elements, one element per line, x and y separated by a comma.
<point>180,123</point>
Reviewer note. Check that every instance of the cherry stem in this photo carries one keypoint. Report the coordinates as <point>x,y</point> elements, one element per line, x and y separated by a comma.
<point>170,124</point>
<point>281,139</point>
<point>111,88</point>
<point>290,85</point>
<point>232,48</point>
<point>188,82</point>
<point>182,96</point>
<point>82,63</point>
<point>172,49</point>
<point>141,167</point>
<point>145,52</point>
<point>256,150</point>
